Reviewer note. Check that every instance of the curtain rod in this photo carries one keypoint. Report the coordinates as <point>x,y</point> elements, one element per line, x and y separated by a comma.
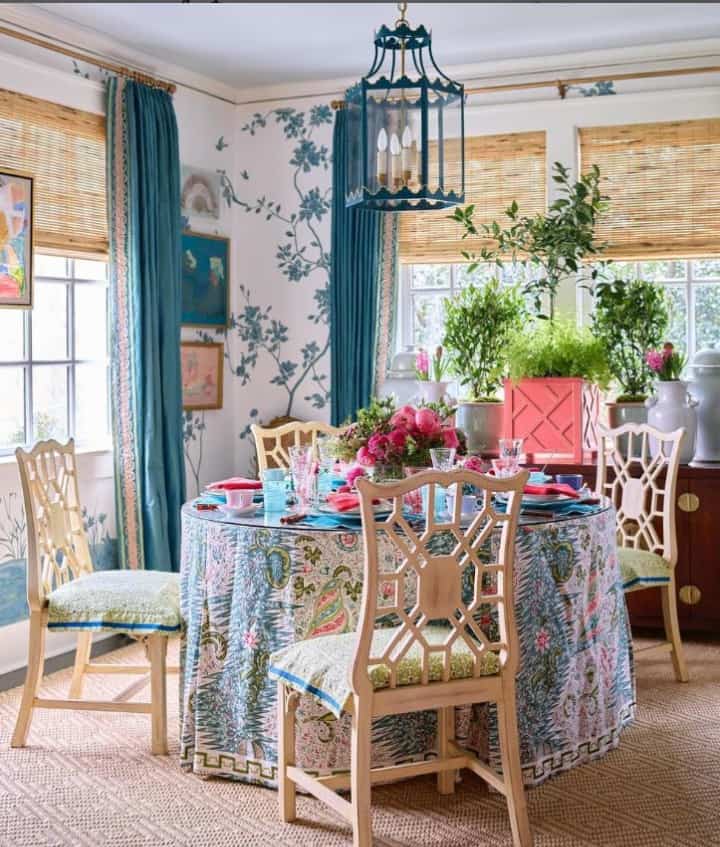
<point>562,85</point>
<point>121,70</point>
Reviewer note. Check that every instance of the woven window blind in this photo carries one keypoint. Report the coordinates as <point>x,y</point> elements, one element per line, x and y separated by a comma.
<point>498,170</point>
<point>663,180</point>
<point>64,150</point>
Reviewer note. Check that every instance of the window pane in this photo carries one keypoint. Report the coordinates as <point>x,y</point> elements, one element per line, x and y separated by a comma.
<point>430,276</point>
<point>620,270</point>
<point>49,322</point>
<point>90,321</point>
<point>677,331</point>
<point>706,269</point>
<point>707,315</point>
<point>664,270</point>
<point>91,403</point>
<point>87,269</point>
<point>50,407</point>
<point>480,275</point>
<point>12,408</point>
<point>44,265</point>
<point>11,335</point>
<point>428,316</point>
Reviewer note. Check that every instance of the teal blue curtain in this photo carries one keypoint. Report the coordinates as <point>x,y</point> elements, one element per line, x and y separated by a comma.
<point>356,262</point>
<point>145,303</point>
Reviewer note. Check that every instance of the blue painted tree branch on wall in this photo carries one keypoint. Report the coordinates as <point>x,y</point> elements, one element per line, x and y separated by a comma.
<point>300,255</point>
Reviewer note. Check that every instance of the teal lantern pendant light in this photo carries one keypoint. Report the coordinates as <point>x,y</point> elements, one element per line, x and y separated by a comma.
<point>405,127</point>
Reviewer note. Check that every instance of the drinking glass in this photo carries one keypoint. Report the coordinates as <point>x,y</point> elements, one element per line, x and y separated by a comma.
<point>442,458</point>
<point>327,463</point>
<point>274,489</point>
<point>510,449</point>
<point>302,472</point>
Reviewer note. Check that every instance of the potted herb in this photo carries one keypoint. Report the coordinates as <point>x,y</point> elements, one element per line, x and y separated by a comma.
<point>552,398</point>
<point>630,318</point>
<point>429,371</point>
<point>479,323</point>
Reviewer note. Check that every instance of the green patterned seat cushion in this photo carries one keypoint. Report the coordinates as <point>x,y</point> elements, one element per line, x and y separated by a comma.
<point>642,569</point>
<point>123,601</point>
<point>321,666</point>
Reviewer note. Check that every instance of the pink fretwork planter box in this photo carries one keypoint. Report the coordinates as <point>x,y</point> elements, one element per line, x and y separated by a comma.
<point>557,417</point>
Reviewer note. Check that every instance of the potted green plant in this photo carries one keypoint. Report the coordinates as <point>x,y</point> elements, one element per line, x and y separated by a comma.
<point>552,398</point>
<point>554,407</point>
<point>630,317</point>
<point>557,243</point>
<point>479,324</point>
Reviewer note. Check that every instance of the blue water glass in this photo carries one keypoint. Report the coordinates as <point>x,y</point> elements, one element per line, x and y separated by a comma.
<point>324,482</point>
<point>440,501</point>
<point>274,489</point>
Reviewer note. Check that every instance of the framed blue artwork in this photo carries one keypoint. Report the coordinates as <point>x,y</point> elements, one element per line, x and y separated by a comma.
<point>205,279</point>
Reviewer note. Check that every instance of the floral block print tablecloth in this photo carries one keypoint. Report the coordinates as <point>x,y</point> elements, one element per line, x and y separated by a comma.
<point>249,589</point>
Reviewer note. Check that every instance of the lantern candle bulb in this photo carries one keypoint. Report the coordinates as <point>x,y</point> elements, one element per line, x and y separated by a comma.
<point>395,161</point>
<point>407,155</point>
<point>382,145</point>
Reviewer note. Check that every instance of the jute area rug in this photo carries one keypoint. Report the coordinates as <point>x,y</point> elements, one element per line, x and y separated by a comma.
<point>87,778</point>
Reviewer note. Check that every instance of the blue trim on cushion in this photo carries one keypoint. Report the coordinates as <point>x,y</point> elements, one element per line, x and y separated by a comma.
<point>306,687</point>
<point>109,625</point>
<point>653,580</point>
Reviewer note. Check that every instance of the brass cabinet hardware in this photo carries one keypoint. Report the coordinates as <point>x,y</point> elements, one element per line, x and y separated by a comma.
<point>690,595</point>
<point>688,502</point>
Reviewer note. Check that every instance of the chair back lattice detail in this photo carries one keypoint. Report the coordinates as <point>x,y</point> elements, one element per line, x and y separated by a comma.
<point>644,464</point>
<point>454,570</point>
<point>58,549</point>
<point>273,443</point>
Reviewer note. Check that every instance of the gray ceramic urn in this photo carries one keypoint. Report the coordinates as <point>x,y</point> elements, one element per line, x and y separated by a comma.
<point>705,388</point>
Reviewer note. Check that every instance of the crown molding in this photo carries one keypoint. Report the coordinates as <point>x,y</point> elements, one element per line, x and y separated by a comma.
<point>56,28</point>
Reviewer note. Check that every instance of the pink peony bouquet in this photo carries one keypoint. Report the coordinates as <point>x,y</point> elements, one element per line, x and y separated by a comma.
<point>667,364</point>
<point>407,438</point>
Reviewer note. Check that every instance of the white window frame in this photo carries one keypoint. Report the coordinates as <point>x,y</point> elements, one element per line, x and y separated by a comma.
<point>71,361</point>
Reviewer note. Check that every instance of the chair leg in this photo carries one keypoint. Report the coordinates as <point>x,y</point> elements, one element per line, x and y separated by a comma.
<point>286,705</point>
<point>157,652</point>
<point>36,663</point>
<point>512,772</point>
<point>360,774</point>
<point>672,631</point>
<point>446,734</point>
<point>82,657</point>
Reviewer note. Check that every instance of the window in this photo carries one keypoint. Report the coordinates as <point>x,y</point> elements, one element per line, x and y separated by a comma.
<point>424,287</point>
<point>54,359</point>
<point>693,287</point>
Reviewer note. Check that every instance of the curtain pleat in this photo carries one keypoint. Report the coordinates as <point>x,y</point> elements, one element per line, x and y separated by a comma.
<point>358,246</point>
<point>145,303</point>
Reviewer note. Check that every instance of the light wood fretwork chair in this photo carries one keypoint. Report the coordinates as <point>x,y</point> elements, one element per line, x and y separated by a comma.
<point>436,657</point>
<point>638,470</point>
<point>64,593</point>
<point>273,443</point>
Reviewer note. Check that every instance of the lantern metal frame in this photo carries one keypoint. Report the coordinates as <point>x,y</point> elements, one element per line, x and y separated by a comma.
<point>413,48</point>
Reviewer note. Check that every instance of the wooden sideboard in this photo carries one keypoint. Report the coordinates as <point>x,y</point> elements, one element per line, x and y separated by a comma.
<point>697,511</point>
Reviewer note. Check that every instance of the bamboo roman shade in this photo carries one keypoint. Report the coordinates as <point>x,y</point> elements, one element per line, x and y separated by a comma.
<point>64,149</point>
<point>498,170</point>
<point>663,180</point>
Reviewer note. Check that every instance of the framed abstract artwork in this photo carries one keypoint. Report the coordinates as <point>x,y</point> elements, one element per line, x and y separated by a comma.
<point>205,279</point>
<point>200,193</point>
<point>16,240</point>
<point>202,375</point>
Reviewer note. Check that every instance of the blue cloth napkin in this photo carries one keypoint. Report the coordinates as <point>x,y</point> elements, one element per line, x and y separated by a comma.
<point>209,499</point>
<point>332,522</point>
<point>566,508</point>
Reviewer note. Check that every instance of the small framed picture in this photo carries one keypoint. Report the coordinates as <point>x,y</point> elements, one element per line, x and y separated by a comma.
<point>202,375</point>
<point>205,279</point>
<point>200,193</point>
<point>16,240</point>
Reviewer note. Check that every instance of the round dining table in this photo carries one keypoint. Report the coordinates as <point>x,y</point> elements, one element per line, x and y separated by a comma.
<point>252,585</point>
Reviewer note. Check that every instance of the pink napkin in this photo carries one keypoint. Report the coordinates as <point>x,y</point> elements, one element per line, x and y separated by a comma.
<point>552,488</point>
<point>235,483</point>
<point>343,502</point>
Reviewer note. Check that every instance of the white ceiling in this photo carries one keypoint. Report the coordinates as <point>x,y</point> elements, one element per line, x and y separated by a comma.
<point>251,44</point>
